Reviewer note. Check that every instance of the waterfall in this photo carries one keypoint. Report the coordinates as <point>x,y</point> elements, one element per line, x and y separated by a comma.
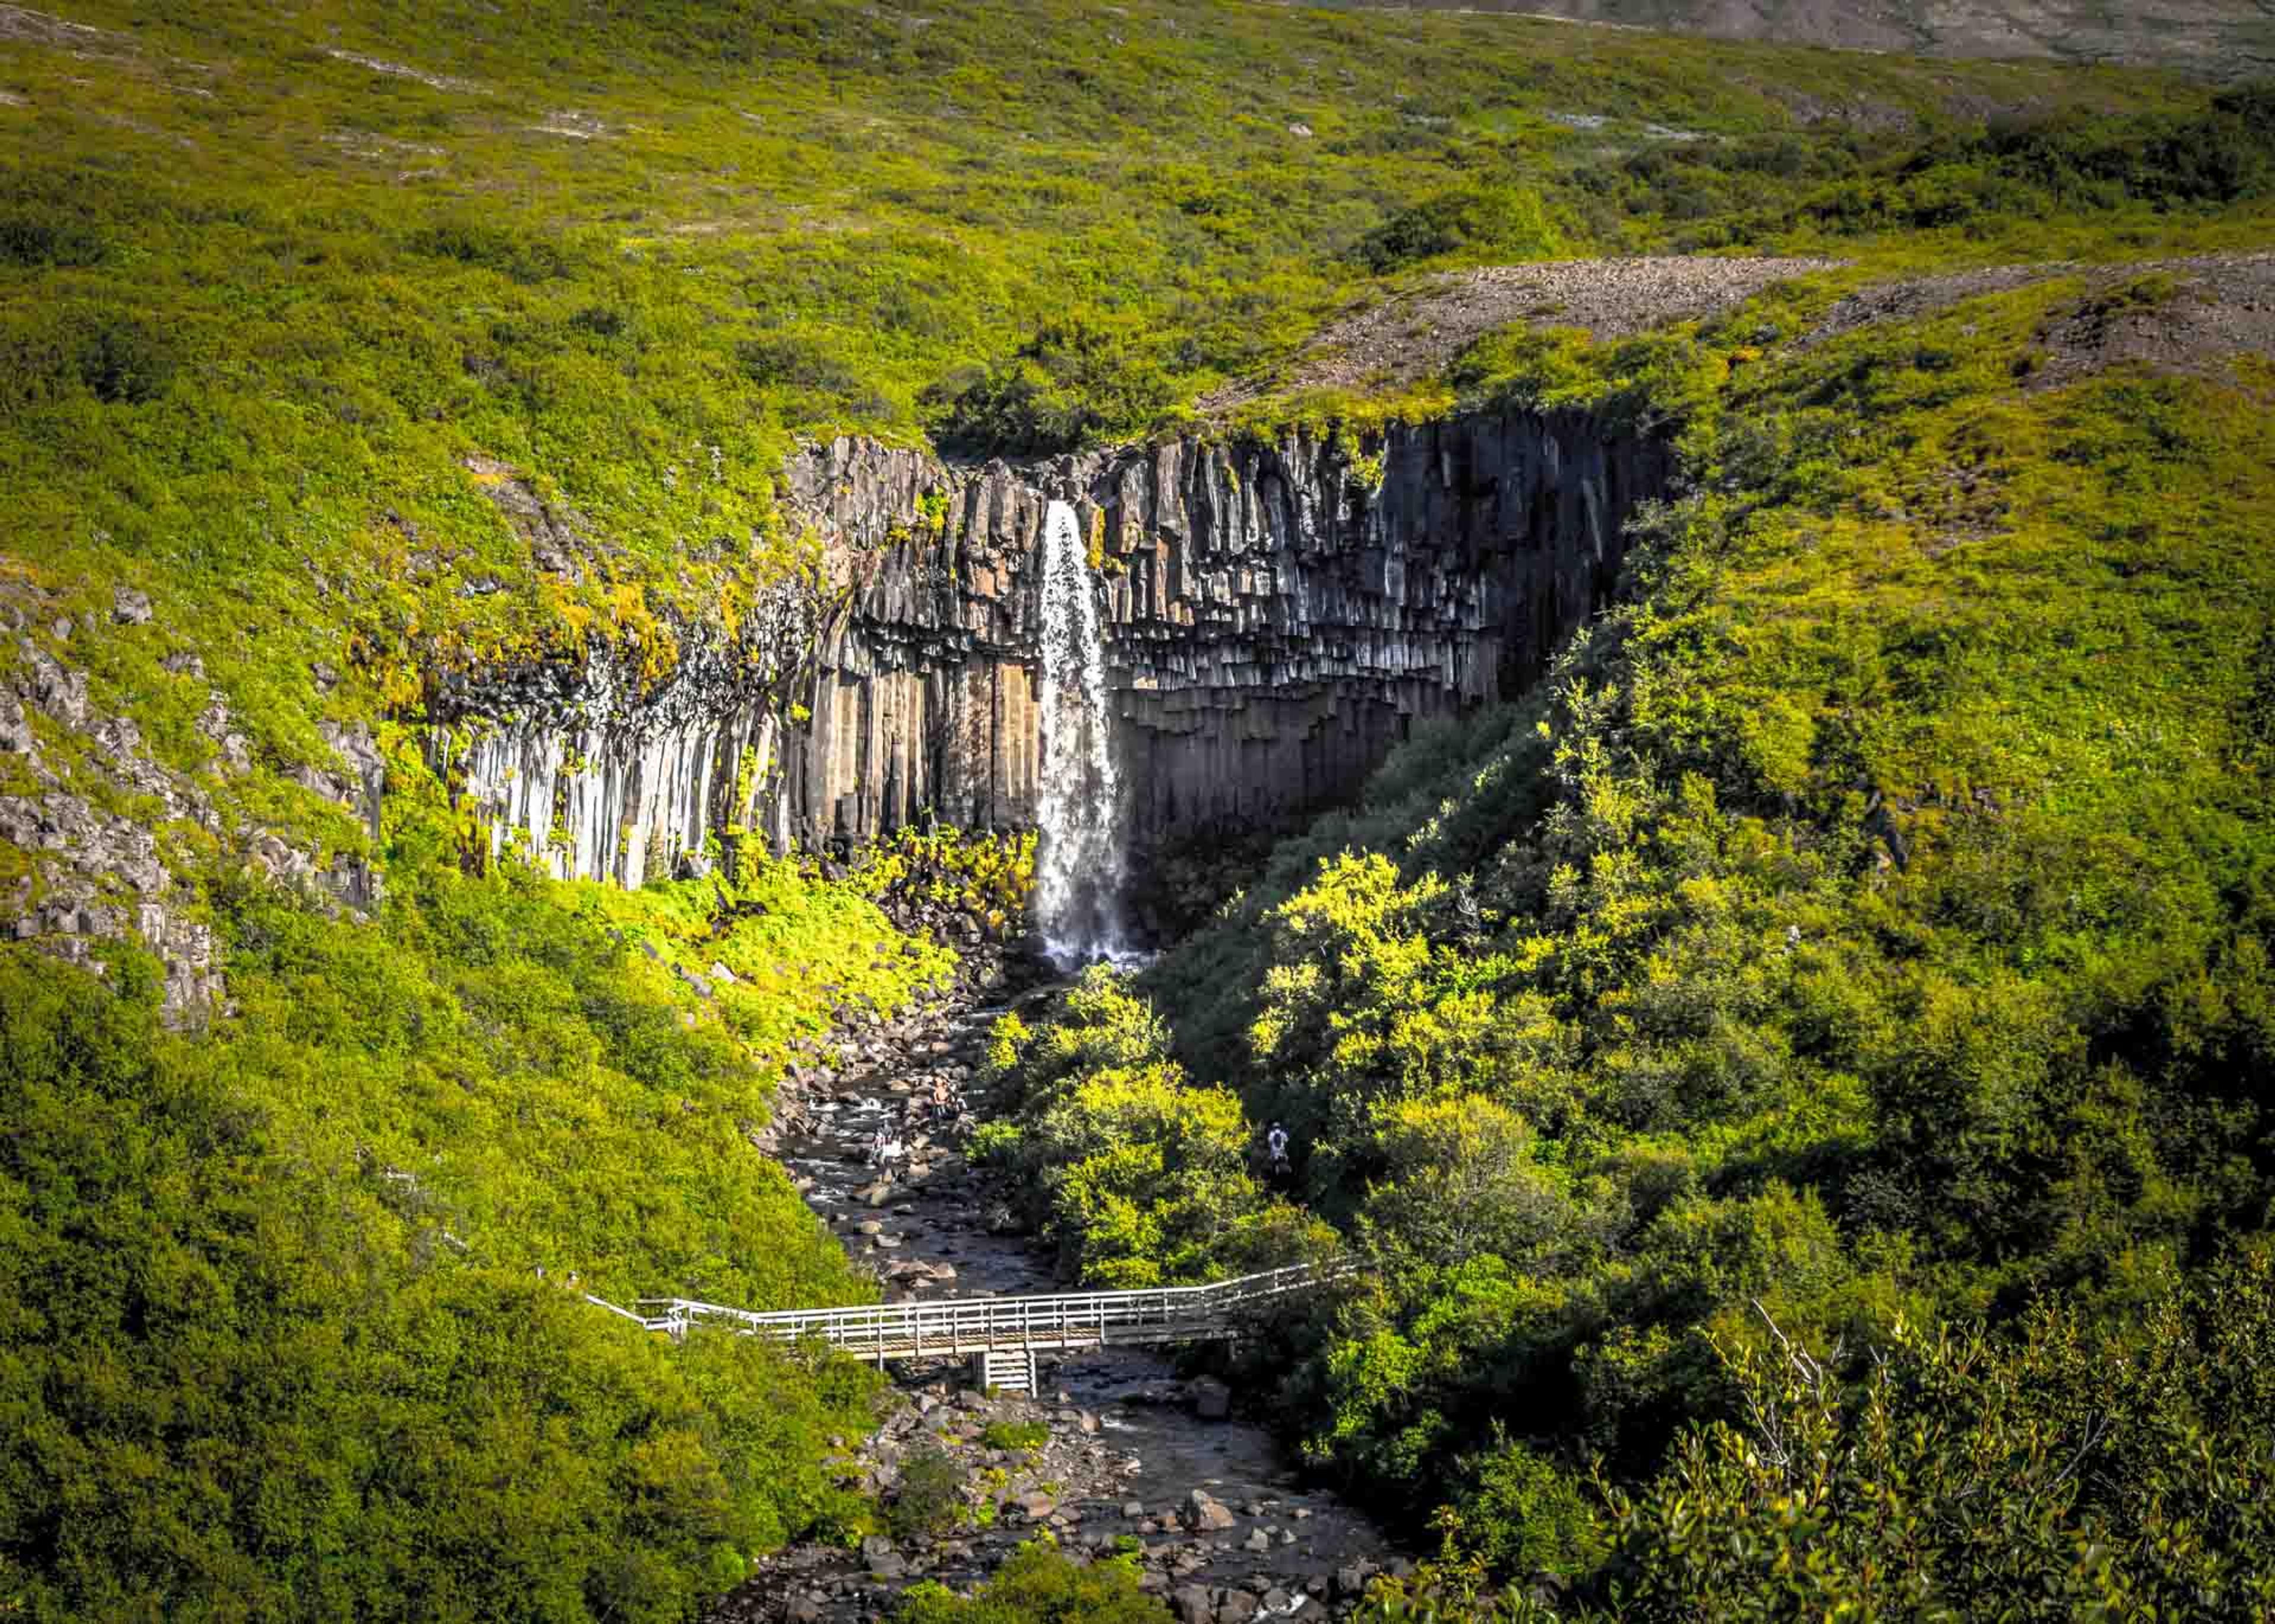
<point>1078,797</point>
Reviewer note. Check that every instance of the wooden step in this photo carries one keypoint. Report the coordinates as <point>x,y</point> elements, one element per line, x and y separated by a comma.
<point>1009,1371</point>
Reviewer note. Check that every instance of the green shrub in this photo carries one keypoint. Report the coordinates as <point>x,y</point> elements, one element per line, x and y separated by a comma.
<point>929,1501</point>
<point>778,359</point>
<point>28,240</point>
<point>1522,1514</point>
<point>1504,222</point>
<point>2065,1473</point>
<point>994,1144</point>
<point>257,1372</point>
<point>522,257</point>
<point>1024,1436</point>
<point>2221,155</point>
<point>1067,385</point>
<point>122,361</point>
<point>1040,1583</point>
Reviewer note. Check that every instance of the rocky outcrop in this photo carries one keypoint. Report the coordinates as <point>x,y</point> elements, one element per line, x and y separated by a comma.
<point>1277,616</point>
<point>92,875</point>
<point>579,769</point>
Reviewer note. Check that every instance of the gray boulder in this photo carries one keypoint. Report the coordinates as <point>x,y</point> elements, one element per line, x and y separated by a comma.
<point>1193,1605</point>
<point>1206,1513</point>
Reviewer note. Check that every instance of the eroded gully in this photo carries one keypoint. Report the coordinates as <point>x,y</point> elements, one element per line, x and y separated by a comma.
<point>1227,1531</point>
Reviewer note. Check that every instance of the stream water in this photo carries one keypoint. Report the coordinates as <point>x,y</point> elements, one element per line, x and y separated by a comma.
<point>1227,1532</point>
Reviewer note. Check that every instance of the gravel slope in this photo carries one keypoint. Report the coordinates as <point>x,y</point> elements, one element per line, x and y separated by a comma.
<point>2219,39</point>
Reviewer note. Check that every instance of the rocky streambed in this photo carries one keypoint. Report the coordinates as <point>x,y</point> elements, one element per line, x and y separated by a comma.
<point>1116,1452</point>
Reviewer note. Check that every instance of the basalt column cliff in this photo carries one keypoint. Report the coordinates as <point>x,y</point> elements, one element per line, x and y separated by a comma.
<point>1274,618</point>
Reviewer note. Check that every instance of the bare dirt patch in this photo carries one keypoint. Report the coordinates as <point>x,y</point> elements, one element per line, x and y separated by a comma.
<point>2218,308</point>
<point>364,144</point>
<point>573,125</point>
<point>1415,333</point>
<point>1919,296</point>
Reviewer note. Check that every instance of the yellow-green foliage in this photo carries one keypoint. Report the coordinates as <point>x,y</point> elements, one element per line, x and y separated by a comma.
<point>988,876</point>
<point>1460,1176</point>
<point>1359,415</point>
<point>308,288</point>
<point>2061,1470</point>
<point>1142,1178</point>
<point>796,948</point>
<point>1025,1436</point>
<point>1869,921</point>
<point>281,1345</point>
<point>1041,1582</point>
<point>2063,1473</point>
<point>301,1299</point>
<point>1954,680</point>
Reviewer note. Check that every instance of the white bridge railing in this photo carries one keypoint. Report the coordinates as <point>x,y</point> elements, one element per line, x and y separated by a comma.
<point>959,1326</point>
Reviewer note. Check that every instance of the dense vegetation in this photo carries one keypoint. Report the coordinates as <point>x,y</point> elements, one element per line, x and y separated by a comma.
<point>1868,927</point>
<point>2062,1472</point>
<point>297,1325</point>
<point>1869,922</point>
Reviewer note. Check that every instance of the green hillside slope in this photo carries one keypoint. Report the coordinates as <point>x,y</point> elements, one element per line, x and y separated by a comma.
<point>1869,925</point>
<point>348,348</point>
<point>366,264</point>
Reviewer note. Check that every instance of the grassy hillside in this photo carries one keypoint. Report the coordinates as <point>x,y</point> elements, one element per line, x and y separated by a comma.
<point>1867,929</point>
<point>308,290</point>
<point>379,343</point>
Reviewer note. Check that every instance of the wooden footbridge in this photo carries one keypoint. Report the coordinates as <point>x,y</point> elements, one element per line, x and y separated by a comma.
<point>1002,1335</point>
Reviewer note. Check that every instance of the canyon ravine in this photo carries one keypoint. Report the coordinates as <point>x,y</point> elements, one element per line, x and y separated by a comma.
<point>1139,1458</point>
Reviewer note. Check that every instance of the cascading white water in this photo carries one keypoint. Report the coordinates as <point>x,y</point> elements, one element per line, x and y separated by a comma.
<point>1078,798</point>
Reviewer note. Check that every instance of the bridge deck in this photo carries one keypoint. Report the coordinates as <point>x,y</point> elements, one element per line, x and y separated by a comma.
<point>958,1328</point>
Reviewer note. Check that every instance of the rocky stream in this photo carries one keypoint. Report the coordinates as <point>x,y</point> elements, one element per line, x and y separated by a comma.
<point>1137,1457</point>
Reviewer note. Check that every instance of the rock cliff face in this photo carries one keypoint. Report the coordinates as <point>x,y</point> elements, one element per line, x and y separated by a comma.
<point>1276,617</point>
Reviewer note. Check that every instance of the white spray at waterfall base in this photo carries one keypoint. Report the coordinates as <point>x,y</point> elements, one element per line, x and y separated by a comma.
<point>1079,800</point>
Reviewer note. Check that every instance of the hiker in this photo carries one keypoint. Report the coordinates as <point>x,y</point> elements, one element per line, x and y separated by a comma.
<point>883,1149</point>
<point>1275,1145</point>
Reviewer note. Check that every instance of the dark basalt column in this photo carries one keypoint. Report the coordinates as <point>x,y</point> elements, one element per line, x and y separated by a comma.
<point>1277,616</point>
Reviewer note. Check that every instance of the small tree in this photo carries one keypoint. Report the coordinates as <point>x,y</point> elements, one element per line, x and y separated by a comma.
<point>929,1500</point>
